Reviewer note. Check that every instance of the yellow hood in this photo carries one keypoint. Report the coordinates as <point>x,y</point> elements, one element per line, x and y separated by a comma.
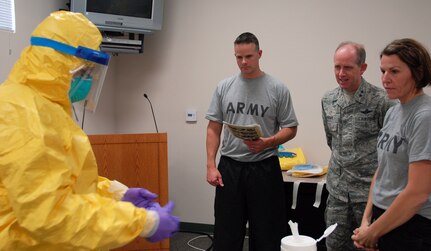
<point>46,70</point>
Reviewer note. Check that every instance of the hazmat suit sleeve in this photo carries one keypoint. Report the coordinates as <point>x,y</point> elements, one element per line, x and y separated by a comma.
<point>103,186</point>
<point>111,188</point>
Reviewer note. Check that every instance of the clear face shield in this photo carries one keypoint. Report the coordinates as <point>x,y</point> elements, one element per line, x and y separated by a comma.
<point>88,78</point>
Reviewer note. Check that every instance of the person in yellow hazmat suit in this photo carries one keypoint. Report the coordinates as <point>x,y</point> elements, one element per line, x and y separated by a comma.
<point>51,197</point>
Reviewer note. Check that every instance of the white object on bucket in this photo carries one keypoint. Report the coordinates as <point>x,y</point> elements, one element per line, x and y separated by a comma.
<point>294,229</point>
<point>327,232</point>
<point>297,242</point>
<point>300,243</point>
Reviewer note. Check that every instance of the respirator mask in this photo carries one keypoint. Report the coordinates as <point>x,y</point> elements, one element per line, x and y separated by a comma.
<point>87,79</point>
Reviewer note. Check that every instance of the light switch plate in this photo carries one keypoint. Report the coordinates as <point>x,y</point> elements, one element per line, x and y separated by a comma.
<point>191,115</point>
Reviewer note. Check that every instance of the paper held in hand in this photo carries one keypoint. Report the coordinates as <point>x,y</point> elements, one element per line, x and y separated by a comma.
<point>245,132</point>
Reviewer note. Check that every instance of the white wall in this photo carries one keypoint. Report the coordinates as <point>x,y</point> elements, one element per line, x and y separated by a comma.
<point>183,63</point>
<point>28,15</point>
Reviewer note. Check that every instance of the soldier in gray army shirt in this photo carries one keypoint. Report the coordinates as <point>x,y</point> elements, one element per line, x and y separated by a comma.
<point>352,115</point>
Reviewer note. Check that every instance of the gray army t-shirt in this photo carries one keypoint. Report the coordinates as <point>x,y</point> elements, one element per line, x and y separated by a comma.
<point>264,100</point>
<point>404,138</point>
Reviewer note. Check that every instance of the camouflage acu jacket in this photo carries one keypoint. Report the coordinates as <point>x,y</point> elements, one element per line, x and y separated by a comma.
<point>351,128</point>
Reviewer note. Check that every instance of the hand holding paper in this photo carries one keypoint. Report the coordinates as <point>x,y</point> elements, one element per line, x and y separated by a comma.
<point>245,132</point>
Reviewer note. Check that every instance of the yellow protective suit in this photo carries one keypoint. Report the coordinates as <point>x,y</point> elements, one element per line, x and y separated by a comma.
<point>49,195</point>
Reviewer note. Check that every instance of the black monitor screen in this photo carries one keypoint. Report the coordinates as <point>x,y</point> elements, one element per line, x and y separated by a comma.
<point>133,8</point>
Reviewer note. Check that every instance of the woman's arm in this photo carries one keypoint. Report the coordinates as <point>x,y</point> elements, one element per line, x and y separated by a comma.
<point>409,201</point>
<point>357,236</point>
<point>404,207</point>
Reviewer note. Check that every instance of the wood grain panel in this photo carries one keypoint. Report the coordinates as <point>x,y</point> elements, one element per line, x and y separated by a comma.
<point>136,160</point>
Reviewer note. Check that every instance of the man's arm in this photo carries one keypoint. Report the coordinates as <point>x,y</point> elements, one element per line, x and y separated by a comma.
<point>282,136</point>
<point>212,144</point>
<point>325,126</point>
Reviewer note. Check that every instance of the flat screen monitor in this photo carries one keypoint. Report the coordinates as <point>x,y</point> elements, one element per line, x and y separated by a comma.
<point>136,16</point>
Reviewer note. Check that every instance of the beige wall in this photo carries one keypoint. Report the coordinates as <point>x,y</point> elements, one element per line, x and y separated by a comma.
<point>183,63</point>
<point>28,15</point>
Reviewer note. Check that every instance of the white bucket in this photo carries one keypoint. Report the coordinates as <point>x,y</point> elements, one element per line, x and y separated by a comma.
<point>298,243</point>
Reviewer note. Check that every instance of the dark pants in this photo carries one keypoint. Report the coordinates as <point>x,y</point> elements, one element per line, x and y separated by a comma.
<point>348,216</point>
<point>253,192</point>
<point>414,235</point>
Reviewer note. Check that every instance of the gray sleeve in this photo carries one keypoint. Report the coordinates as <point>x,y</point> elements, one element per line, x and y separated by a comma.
<point>214,112</point>
<point>286,112</point>
<point>419,147</point>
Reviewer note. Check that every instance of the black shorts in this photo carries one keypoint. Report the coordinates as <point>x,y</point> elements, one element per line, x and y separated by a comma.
<point>253,192</point>
<point>414,235</point>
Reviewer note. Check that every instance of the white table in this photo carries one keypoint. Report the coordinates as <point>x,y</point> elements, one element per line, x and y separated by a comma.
<point>288,178</point>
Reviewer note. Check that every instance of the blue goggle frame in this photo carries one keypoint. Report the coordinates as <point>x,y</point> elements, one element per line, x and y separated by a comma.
<point>81,51</point>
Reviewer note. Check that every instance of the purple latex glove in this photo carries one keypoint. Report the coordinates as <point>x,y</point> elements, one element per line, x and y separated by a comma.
<point>140,197</point>
<point>168,224</point>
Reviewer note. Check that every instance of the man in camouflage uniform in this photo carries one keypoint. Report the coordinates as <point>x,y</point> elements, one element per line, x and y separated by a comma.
<point>352,115</point>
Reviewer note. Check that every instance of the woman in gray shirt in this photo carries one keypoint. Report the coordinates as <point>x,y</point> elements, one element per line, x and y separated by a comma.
<point>398,212</point>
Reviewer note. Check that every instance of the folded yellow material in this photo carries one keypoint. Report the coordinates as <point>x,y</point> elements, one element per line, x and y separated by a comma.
<point>286,163</point>
<point>315,172</point>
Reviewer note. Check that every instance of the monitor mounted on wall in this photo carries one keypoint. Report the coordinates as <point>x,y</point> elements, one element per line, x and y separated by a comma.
<point>133,16</point>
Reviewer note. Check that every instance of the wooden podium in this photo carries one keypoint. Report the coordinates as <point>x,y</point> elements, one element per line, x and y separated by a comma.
<point>136,160</point>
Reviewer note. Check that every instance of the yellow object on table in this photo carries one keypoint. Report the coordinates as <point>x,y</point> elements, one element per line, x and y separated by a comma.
<point>297,158</point>
<point>305,173</point>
